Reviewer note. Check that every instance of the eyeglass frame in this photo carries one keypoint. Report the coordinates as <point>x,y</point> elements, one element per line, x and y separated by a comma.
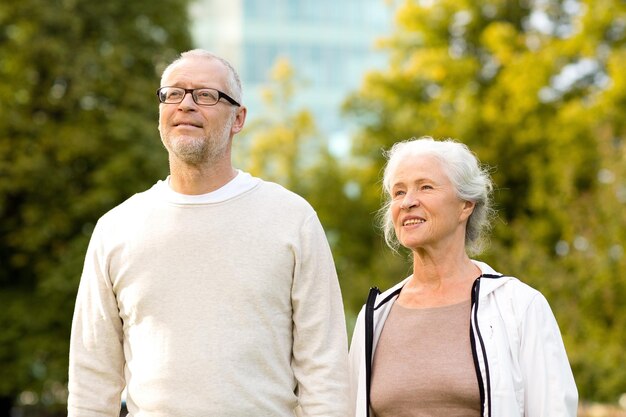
<point>220,94</point>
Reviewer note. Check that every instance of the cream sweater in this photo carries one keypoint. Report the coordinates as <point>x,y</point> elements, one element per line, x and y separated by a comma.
<point>220,305</point>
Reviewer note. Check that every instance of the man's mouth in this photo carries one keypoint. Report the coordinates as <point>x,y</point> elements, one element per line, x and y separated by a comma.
<point>187,124</point>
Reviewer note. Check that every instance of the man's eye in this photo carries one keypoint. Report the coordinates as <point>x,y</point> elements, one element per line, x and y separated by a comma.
<point>206,95</point>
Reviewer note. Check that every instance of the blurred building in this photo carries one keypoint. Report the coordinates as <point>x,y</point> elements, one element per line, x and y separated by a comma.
<point>330,44</point>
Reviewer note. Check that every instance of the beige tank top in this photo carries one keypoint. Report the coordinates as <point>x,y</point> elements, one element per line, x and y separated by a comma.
<point>423,364</point>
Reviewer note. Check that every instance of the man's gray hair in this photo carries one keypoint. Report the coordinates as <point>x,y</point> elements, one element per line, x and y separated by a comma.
<point>471,181</point>
<point>234,82</point>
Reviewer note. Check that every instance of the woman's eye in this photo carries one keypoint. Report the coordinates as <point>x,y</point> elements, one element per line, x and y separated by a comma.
<point>398,193</point>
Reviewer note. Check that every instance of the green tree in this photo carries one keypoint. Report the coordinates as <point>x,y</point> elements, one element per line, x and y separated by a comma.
<point>536,89</point>
<point>78,136</point>
<point>283,144</point>
<point>283,140</point>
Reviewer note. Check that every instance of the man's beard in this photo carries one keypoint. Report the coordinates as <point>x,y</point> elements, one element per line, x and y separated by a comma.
<point>195,150</point>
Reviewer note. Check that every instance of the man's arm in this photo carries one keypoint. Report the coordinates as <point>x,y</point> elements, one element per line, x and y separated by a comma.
<point>320,342</point>
<point>96,377</point>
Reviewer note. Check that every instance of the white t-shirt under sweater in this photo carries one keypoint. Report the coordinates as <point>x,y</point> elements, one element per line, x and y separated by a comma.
<point>225,304</point>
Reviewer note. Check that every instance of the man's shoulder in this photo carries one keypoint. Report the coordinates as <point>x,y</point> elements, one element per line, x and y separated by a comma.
<point>279,195</point>
<point>132,206</point>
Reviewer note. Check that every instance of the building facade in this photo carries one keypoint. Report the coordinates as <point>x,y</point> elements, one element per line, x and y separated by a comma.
<point>329,43</point>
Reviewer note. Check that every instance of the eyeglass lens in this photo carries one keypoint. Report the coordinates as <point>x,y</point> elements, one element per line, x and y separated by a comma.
<point>172,95</point>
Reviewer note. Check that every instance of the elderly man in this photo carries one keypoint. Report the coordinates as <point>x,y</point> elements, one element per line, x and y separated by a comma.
<point>213,293</point>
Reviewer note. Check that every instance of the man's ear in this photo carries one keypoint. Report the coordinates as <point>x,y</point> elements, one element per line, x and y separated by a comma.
<point>240,119</point>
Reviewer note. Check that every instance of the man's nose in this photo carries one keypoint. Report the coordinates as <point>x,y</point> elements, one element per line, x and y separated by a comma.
<point>187,102</point>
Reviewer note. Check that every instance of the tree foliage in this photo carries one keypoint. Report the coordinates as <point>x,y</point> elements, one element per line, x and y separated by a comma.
<point>77,136</point>
<point>536,89</point>
<point>283,144</point>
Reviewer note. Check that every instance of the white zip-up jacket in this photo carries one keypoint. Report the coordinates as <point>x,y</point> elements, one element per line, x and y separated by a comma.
<point>516,345</point>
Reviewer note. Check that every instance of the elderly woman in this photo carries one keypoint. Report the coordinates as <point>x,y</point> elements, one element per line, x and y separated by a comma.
<point>455,338</point>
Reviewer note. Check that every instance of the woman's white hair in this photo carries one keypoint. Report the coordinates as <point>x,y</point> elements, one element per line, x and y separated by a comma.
<point>233,81</point>
<point>471,181</point>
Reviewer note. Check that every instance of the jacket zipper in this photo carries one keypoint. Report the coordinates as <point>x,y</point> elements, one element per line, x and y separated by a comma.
<point>485,395</point>
<point>369,343</point>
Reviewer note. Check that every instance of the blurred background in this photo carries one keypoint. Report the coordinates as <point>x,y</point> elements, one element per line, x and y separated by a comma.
<point>537,88</point>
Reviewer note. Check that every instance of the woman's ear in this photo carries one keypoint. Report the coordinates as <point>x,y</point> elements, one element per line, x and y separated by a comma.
<point>467,209</point>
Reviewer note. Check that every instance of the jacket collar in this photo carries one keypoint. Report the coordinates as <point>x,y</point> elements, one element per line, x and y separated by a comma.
<point>493,280</point>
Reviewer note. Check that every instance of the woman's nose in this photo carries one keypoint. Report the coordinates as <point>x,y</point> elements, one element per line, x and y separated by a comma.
<point>410,200</point>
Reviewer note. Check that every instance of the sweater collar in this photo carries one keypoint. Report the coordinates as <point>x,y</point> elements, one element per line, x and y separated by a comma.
<point>242,182</point>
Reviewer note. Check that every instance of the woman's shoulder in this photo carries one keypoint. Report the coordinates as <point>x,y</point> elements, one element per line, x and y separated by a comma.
<point>508,286</point>
<point>390,294</point>
<point>502,284</point>
<point>519,299</point>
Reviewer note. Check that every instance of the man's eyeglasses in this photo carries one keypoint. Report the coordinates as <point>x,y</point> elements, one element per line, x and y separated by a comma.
<point>201,96</point>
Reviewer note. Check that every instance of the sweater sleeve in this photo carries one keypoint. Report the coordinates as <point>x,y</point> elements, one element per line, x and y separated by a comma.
<point>550,390</point>
<point>320,351</point>
<point>96,366</point>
